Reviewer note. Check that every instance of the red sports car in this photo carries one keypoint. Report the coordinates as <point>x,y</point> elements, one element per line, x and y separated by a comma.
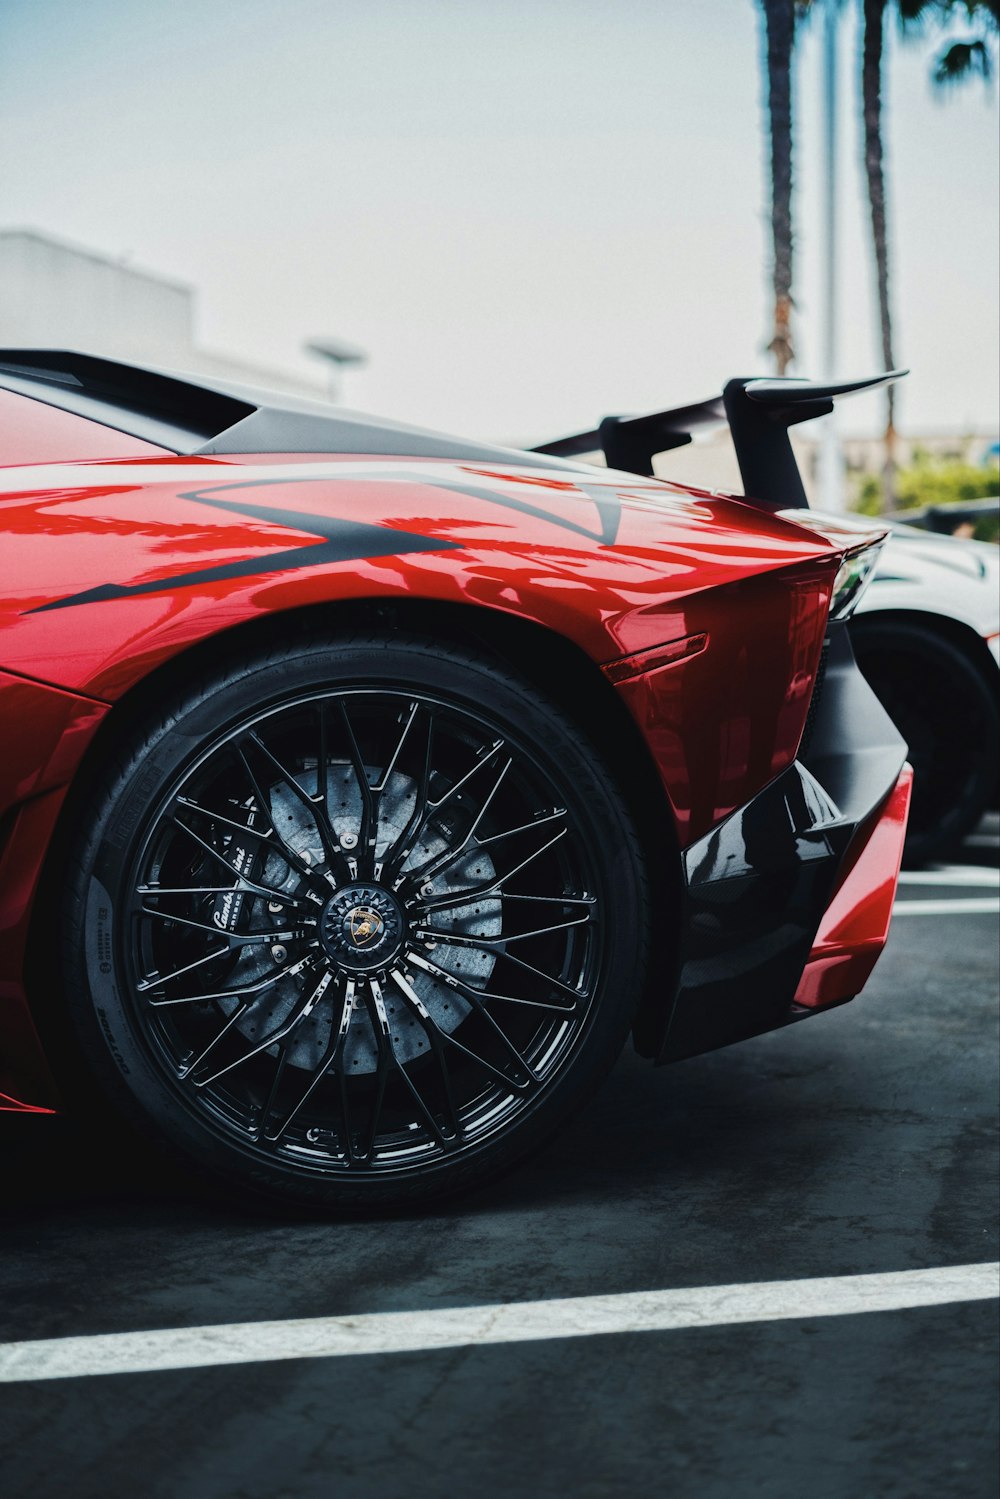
<point>362,789</point>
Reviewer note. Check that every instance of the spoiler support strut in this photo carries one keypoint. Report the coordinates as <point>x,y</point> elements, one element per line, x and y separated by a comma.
<point>759,413</point>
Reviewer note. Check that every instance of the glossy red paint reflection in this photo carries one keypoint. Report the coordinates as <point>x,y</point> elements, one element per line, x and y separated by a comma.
<point>725,720</point>
<point>10,1105</point>
<point>855,925</point>
<point>44,732</point>
<point>530,546</point>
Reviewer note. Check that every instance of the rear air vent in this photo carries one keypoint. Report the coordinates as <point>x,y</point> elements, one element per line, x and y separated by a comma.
<point>159,408</point>
<point>216,418</point>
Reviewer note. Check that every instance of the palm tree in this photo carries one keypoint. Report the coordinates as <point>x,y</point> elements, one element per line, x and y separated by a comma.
<point>780,17</point>
<point>973,54</point>
<point>958,60</point>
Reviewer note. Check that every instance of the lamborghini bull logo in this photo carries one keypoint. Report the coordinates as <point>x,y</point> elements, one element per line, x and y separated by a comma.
<point>365,926</point>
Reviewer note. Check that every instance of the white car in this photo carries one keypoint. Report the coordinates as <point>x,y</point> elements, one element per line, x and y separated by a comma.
<point>927,636</point>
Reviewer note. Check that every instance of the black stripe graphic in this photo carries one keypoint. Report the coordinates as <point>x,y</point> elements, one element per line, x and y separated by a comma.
<point>339,540</point>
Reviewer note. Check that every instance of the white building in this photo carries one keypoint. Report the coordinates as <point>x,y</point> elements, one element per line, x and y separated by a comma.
<point>59,296</point>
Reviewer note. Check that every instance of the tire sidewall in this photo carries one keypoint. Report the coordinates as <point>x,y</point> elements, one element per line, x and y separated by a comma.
<point>974,793</point>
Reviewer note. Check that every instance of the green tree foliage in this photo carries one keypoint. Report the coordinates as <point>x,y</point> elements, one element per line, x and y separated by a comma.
<point>935,481</point>
<point>967,56</point>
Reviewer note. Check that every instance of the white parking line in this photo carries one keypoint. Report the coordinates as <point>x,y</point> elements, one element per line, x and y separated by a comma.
<point>952,874</point>
<point>508,1322</point>
<point>970,906</point>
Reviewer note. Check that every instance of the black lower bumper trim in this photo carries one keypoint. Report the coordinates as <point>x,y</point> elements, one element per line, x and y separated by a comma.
<point>756,887</point>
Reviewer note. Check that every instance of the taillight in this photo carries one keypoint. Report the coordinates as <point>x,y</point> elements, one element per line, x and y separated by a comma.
<point>860,558</point>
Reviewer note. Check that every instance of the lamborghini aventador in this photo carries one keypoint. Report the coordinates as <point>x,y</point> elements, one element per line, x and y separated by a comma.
<point>363,789</point>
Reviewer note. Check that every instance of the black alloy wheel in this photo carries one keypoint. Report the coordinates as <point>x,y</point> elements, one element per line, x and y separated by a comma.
<point>360,922</point>
<point>947,711</point>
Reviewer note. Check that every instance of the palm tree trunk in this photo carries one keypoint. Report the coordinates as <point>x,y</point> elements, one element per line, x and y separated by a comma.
<point>779,23</point>
<point>871,93</point>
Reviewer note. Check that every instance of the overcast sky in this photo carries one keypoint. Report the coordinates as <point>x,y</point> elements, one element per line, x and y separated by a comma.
<point>529,212</point>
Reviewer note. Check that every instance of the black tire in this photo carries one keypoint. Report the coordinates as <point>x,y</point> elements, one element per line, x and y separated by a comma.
<point>488,1045</point>
<point>947,711</point>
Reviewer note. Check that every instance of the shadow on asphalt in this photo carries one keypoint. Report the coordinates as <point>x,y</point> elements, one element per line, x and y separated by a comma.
<point>751,1112</point>
<point>646,1127</point>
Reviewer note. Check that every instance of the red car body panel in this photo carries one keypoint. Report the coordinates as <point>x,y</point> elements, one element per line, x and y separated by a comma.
<point>68,529</point>
<point>683,564</point>
<point>855,925</point>
<point>705,613</point>
<point>44,736</point>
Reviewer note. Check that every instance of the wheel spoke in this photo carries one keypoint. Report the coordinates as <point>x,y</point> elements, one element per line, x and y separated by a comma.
<point>433,866</point>
<point>440,1039</point>
<point>436,1039</point>
<point>330,1059</point>
<point>383,1066</point>
<point>477,995</point>
<point>433,807</point>
<point>399,851</point>
<point>525,827</point>
<point>588,901</point>
<point>490,887</point>
<point>443,860</point>
<point>301,1011</point>
<point>314,805</point>
<point>290,857</point>
<point>456,899</point>
<point>372,801</point>
<point>383,779</point>
<point>504,1039</point>
<point>323,767</point>
<point>265,983</point>
<point>385,1038</point>
<point>153,981</point>
<point>483,944</point>
<point>544,931</point>
<point>186,1068</point>
<point>266,834</point>
<point>368,836</point>
<point>236,939</point>
<point>343,1099</point>
<point>275,1088</point>
<point>491,944</point>
<point>274,838</point>
<point>242,887</point>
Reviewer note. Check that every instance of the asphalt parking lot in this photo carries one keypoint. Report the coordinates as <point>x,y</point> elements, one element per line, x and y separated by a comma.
<point>861,1143</point>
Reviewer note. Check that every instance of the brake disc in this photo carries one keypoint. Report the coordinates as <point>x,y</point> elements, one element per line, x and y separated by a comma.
<point>480,918</point>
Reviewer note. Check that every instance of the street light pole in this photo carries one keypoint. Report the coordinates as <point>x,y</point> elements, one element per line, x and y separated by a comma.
<point>336,354</point>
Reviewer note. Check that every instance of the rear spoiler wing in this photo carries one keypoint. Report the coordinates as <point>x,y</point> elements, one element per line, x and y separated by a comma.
<point>759,413</point>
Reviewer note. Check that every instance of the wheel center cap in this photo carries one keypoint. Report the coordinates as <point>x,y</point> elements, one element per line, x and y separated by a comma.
<point>362,927</point>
